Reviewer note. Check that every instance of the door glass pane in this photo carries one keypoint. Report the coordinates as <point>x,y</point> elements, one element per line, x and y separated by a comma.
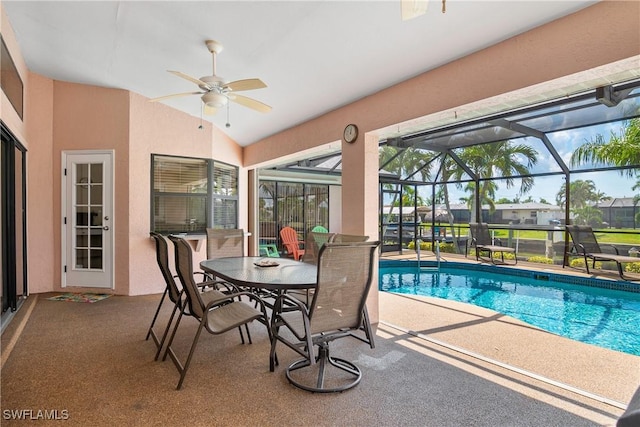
<point>96,258</point>
<point>82,174</point>
<point>82,194</point>
<point>82,216</point>
<point>96,239</point>
<point>96,194</point>
<point>96,215</point>
<point>3,230</point>
<point>96,173</point>
<point>20,207</point>
<point>81,239</point>
<point>82,258</point>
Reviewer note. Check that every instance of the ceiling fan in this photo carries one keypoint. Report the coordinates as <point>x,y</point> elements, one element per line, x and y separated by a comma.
<point>217,92</point>
<point>413,8</point>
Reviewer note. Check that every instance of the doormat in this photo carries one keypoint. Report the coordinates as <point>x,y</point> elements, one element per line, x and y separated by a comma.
<point>90,298</point>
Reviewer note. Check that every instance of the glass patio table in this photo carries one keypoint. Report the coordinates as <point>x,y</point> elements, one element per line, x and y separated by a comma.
<point>243,271</point>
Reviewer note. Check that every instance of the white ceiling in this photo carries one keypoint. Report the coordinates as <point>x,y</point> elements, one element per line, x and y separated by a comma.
<point>314,56</point>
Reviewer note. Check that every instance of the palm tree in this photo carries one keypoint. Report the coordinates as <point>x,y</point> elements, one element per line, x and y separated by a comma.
<point>486,161</point>
<point>487,196</point>
<point>580,192</point>
<point>499,159</point>
<point>588,215</point>
<point>621,150</point>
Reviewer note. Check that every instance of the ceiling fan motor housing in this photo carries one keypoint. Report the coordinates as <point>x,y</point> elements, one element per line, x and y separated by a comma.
<point>212,82</point>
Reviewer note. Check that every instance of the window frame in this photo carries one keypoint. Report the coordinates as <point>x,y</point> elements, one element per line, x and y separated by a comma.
<point>210,196</point>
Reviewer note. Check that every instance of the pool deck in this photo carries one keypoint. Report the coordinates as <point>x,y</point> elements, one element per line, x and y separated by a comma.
<point>487,335</point>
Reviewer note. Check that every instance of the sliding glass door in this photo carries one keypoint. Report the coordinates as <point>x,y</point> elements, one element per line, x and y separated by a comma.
<point>13,258</point>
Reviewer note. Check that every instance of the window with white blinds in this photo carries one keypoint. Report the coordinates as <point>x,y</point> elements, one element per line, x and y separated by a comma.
<point>191,194</point>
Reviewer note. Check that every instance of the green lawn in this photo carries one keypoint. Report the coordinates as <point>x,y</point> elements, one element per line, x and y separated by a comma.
<point>625,236</point>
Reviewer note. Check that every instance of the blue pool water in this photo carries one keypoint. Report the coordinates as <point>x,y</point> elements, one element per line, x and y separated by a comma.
<point>603,317</point>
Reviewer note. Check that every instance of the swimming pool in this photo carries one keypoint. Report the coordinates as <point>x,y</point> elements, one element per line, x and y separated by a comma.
<point>608,318</point>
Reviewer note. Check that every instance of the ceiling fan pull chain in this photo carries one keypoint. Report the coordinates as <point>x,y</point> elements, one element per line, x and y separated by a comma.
<point>444,6</point>
<point>228,124</point>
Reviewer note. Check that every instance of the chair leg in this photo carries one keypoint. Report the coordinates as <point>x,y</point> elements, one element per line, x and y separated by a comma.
<point>323,358</point>
<point>367,327</point>
<point>246,326</point>
<point>620,271</point>
<point>183,371</point>
<point>166,331</point>
<point>175,329</point>
<point>150,332</point>
<point>586,263</point>
<point>272,354</point>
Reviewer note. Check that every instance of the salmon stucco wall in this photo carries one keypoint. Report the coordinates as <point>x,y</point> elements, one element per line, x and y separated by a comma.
<point>159,129</point>
<point>595,36</point>
<point>34,132</point>
<point>94,118</point>
<point>41,223</point>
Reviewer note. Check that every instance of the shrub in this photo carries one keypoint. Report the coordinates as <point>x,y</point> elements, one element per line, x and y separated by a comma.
<point>507,255</point>
<point>540,259</point>
<point>632,267</point>
<point>579,263</point>
<point>426,246</point>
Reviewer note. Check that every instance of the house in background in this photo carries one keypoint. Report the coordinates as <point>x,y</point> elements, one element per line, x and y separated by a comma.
<point>524,213</point>
<point>620,212</point>
<point>509,213</point>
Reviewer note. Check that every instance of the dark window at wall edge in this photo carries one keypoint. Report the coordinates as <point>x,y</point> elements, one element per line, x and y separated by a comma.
<point>10,80</point>
<point>194,198</point>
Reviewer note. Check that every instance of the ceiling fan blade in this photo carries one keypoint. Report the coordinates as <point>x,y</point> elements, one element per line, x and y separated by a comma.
<point>250,103</point>
<point>175,95</point>
<point>413,8</point>
<point>199,82</point>
<point>209,110</point>
<point>246,84</point>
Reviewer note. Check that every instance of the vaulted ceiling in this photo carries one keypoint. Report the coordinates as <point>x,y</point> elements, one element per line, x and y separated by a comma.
<point>314,56</point>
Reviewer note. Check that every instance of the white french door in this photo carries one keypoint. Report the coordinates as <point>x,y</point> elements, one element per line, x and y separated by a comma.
<point>87,204</point>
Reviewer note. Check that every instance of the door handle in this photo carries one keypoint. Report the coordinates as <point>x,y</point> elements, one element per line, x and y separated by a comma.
<point>106,227</point>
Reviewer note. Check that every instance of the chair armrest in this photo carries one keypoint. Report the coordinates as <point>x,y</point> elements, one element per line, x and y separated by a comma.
<point>617,252</point>
<point>579,247</point>
<point>284,298</point>
<point>230,297</point>
<point>217,284</point>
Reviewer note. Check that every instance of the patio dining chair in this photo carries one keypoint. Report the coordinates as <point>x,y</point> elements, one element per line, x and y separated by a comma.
<point>175,293</point>
<point>291,243</point>
<point>224,242</point>
<point>313,243</point>
<point>229,242</point>
<point>315,240</point>
<point>336,311</point>
<point>585,244</point>
<point>216,315</point>
<point>481,239</point>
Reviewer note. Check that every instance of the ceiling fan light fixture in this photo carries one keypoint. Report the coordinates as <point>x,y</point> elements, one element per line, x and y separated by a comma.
<point>215,100</point>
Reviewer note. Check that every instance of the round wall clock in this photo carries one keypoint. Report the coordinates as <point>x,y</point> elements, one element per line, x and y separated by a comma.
<point>350,133</point>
